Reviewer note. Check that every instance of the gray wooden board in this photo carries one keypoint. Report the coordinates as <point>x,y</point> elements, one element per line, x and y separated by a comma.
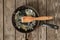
<point>57,20</point>
<point>34,34</point>
<point>42,12</point>
<point>19,35</point>
<point>40,6</point>
<point>9,31</point>
<point>1,19</point>
<point>52,7</point>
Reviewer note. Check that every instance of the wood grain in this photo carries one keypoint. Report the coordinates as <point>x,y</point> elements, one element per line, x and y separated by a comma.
<point>40,6</point>
<point>34,34</point>
<point>57,20</point>
<point>9,31</point>
<point>42,12</point>
<point>52,10</point>
<point>1,19</point>
<point>19,35</point>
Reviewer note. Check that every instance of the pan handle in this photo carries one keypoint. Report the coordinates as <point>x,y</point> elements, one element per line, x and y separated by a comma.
<point>50,25</point>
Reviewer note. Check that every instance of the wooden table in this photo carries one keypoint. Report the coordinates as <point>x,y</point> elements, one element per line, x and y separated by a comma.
<point>44,7</point>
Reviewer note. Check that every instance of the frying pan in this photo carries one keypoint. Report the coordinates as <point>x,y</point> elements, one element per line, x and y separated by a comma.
<point>19,13</point>
<point>27,27</point>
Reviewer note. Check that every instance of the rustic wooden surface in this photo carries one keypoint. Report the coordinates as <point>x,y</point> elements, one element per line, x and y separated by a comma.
<point>9,31</point>
<point>33,35</point>
<point>53,10</point>
<point>1,19</point>
<point>44,7</point>
<point>19,35</point>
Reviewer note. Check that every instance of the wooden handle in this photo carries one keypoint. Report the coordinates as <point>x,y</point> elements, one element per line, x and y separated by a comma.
<point>44,18</point>
<point>30,19</point>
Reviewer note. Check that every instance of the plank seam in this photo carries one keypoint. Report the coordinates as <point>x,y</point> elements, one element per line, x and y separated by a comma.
<point>3,19</point>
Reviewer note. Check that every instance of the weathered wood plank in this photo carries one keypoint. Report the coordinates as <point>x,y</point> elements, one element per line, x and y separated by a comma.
<point>19,35</point>
<point>52,10</point>
<point>57,19</point>
<point>40,6</point>
<point>33,3</point>
<point>42,12</point>
<point>1,19</point>
<point>34,34</point>
<point>9,31</point>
